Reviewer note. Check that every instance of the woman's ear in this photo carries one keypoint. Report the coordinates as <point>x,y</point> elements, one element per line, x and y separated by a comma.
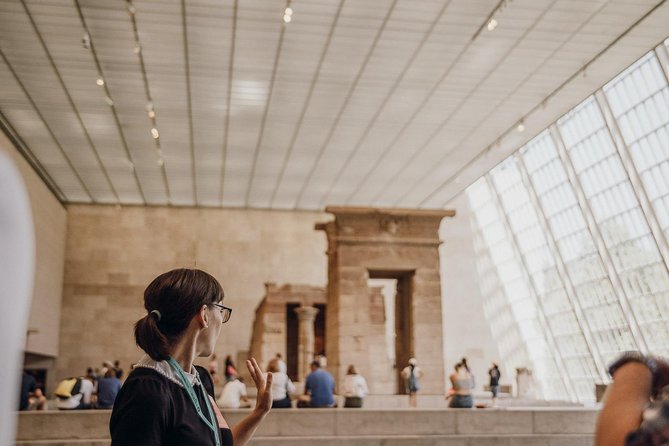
<point>203,316</point>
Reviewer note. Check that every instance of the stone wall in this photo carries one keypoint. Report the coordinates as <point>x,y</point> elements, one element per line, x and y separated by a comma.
<point>466,330</point>
<point>49,220</point>
<point>269,326</point>
<point>366,243</point>
<point>114,252</point>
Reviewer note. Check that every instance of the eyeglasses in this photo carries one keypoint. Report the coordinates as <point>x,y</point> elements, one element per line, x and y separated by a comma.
<point>225,312</point>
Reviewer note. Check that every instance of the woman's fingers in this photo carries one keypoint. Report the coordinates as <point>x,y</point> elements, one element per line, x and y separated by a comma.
<point>249,366</point>
<point>256,367</point>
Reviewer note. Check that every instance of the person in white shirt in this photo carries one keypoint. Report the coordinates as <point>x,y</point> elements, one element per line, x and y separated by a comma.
<point>81,400</point>
<point>412,374</point>
<point>234,393</point>
<point>283,368</point>
<point>282,386</point>
<point>355,388</point>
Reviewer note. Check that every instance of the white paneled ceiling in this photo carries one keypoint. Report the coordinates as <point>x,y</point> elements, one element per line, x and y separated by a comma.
<point>360,102</point>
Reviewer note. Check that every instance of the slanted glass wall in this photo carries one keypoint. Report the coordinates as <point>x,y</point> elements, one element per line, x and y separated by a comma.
<point>571,236</point>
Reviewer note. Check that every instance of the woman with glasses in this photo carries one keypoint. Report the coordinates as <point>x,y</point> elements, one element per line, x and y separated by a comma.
<point>166,400</point>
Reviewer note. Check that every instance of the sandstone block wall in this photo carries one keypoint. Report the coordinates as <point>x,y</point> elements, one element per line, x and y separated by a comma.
<point>113,253</point>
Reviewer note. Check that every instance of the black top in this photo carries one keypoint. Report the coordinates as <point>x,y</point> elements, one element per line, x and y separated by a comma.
<point>494,376</point>
<point>152,410</point>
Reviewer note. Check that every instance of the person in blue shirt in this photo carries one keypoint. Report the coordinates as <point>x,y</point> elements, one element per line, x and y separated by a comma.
<point>108,388</point>
<point>321,386</point>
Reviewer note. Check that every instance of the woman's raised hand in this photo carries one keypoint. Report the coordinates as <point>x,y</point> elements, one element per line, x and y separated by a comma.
<point>263,385</point>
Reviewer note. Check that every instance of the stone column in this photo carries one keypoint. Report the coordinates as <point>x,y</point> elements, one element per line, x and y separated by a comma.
<point>306,316</point>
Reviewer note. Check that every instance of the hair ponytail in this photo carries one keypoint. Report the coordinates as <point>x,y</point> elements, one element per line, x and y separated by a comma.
<point>172,300</point>
<point>150,339</point>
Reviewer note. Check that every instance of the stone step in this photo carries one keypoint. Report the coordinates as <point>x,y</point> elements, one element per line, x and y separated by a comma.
<point>397,440</point>
<point>338,423</point>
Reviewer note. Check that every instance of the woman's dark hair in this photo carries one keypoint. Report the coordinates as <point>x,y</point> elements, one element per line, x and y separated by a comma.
<point>351,370</point>
<point>172,300</point>
<point>463,361</point>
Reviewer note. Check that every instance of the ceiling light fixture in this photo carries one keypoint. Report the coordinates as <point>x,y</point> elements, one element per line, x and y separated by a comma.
<point>100,82</point>
<point>521,127</point>
<point>154,133</point>
<point>152,114</point>
<point>288,13</point>
<point>492,19</point>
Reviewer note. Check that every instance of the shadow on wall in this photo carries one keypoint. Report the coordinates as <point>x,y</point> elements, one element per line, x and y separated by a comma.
<point>17,264</point>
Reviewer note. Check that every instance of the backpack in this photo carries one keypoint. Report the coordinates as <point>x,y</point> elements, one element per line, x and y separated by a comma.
<point>68,387</point>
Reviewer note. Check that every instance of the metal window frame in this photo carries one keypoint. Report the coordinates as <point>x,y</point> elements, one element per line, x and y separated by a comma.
<point>543,322</point>
<point>598,238</point>
<point>567,283</point>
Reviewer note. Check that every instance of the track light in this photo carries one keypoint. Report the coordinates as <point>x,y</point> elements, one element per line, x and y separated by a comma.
<point>154,133</point>
<point>492,24</point>
<point>521,127</point>
<point>152,114</point>
<point>287,18</point>
<point>100,82</point>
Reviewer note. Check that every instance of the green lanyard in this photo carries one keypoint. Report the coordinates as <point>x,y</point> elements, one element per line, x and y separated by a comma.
<point>191,393</point>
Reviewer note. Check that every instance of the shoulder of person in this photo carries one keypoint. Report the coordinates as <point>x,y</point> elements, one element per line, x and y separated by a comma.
<point>147,380</point>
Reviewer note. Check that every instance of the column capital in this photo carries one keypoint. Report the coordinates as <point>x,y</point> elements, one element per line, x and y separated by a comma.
<point>306,313</point>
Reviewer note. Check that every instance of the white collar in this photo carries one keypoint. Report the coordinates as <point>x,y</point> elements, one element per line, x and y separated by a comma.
<point>167,371</point>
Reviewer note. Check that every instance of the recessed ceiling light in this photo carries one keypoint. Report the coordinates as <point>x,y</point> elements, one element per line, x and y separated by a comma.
<point>492,24</point>
<point>521,127</point>
<point>100,81</point>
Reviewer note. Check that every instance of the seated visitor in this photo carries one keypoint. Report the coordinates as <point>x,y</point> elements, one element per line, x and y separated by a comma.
<point>282,386</point>
<point>412,374</point>
<point>320,386</point>
<point>165,400</point>
<point>463,383</point>
<point>636,404</point>
<point>354,388</point>
<point>108,388</point>
<point>31,396</point>
<point>230,369</point>
<point>234,394</point>
<point>78,394</point>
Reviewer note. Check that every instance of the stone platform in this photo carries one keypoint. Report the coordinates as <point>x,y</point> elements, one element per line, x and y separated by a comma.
<point>358,427</point>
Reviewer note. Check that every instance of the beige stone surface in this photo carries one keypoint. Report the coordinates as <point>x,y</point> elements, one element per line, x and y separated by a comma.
<point>401,244</point>
<point>269,326</point>
<point>49,220</point>
<point>344,426</point>
<point>113,253</point>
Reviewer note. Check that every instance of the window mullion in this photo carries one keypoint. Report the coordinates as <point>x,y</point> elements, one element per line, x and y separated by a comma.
<point>596,234</point>
<point>568,285</point>
<point>562,369</point>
